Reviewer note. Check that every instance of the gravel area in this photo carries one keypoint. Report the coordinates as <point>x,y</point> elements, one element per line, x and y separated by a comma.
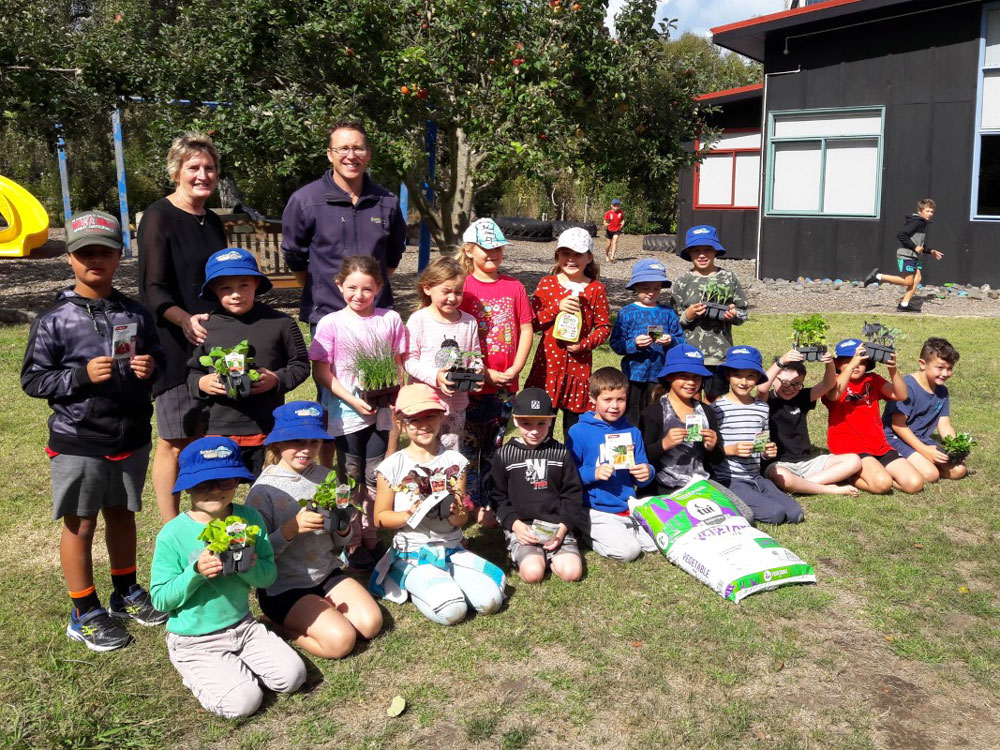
<point>28,285</point>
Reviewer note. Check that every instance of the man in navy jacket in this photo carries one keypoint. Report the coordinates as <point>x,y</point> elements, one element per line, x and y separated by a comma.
<point>343,213</point>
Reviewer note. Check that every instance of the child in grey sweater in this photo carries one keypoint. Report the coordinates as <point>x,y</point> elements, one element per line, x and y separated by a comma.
<point>312,602</point>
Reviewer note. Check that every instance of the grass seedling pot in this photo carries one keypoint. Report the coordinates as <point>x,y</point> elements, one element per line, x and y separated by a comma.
<point>380,397</point>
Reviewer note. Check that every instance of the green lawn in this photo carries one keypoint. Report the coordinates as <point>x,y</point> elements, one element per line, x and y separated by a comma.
<point>898,644</point>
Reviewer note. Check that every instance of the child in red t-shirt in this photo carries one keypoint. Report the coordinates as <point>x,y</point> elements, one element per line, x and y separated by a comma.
<point>856,421</point>
<point>500,305</point>
<point>614,221</point>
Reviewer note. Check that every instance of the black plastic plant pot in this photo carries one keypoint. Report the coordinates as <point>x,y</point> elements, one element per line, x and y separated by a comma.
<point>715,311</point>
<point>957,457</point>
<point>236,560</point>
<point>380,397</point>
<point>811,353</point>
<point>879,352</point>
<point>328,523</point>
<point>465,381</point>
<point>238,384</point>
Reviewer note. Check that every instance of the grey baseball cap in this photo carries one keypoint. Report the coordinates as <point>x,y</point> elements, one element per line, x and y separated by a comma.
<point>93,228</point>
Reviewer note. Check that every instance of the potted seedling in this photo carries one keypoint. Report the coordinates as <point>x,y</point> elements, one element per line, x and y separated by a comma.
<point>332,500</point>
<point>465,369</point>
<point>810,337</point>
<point>234,367</point>
<point>958,446</point>
<point>716,297</point>
<point>880,341</point>
<point>232,540</point>
<point>373,364</point>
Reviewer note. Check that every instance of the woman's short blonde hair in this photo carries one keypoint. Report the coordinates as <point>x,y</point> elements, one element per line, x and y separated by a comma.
<point>186,146</point>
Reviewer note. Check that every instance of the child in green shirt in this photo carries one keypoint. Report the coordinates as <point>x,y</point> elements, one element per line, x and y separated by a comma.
<point>221,652</point>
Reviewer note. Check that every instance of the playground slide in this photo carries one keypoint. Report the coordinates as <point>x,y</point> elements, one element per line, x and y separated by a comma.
<point>27,222</point>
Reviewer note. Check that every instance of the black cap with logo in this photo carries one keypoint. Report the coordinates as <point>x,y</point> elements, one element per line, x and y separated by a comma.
<point>533,402</point>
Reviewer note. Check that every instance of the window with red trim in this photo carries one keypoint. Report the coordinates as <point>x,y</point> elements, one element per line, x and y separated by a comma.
<point>729,174</point>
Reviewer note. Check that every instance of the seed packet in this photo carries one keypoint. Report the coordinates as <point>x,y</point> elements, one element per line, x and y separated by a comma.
<point>619,450</point>
<point>544,530</point>
<point>654,332</point>
<point>693,424</point>
<point>236,362</point>
<point>760,441</point>
<point>123,341</point>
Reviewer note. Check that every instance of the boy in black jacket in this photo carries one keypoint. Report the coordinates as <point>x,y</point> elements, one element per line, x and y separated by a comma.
<point>92,354</point>
<point>275,344</point>
<point>537,494</point>
<point>912,244</point>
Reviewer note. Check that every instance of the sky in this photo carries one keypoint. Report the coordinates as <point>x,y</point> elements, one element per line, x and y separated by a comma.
<point>698,16</point>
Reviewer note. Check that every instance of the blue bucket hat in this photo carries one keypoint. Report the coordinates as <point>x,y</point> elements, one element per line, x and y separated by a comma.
<point>745,358</point>
<point>648,269</point>
<point>684,358</point>
<point>298,420</point>
<point>701,235</point>
<point>847,347</point>
<point>209,458</point>
<point>233,261</point>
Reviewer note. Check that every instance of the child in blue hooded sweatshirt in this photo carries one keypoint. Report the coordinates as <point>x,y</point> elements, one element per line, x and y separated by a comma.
<point>611,458</point>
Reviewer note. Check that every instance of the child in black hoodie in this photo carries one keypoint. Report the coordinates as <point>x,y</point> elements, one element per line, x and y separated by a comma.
<point>537,494</point>
<point>275,344</point>
<point>913,243</point>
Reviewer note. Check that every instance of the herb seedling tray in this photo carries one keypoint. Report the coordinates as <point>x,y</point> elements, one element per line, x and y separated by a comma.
<point>879,352</point>
<point>715,311</point>
<point>811,353</point>
<point>465,380</point>
<point>380,397</point>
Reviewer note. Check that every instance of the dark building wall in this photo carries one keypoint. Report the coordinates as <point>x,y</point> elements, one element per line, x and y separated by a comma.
<point>923,69</point>
<point>737,229</point>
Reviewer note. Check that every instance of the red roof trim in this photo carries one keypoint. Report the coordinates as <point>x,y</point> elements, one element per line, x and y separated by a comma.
<point>730,92</point>
<point>781,14</point>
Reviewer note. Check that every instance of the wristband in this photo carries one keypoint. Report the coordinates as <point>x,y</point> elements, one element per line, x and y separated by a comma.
<point>779,363</point>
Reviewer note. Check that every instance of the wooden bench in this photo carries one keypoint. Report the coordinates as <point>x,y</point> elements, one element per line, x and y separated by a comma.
<point>263,239</point>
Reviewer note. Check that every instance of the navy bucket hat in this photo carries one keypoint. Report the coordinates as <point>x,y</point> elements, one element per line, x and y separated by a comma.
<point>298,420</point>
<point>684,358</point>
<point>210,458</point>
<point>745,358</point>
<point>702,235</point>
<point>233,261</point>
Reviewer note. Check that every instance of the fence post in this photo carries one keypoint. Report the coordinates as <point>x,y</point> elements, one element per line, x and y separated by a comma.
<point>116,132</point>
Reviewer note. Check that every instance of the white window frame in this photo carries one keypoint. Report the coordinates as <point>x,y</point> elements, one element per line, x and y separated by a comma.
<point>978,130</point>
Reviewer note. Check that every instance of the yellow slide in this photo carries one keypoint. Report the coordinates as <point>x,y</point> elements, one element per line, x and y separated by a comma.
<point>27,222</point>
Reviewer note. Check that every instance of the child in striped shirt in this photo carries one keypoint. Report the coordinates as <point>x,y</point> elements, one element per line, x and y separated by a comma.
<point>743,429</point>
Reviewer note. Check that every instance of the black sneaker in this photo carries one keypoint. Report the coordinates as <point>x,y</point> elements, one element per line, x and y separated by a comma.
<point>136,606</point>
<point>97,630</point>
<point>871,278</point>
<point>906,309</point>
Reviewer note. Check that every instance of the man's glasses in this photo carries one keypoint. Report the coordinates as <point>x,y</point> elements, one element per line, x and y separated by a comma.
<point>345,150</point>
<point>229,483</point>
<point>789,384</point>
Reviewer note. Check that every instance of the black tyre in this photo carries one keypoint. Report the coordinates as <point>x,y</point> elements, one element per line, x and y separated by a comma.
<point>664,243</point>
<point>558,227</point>
<point>525,230</point>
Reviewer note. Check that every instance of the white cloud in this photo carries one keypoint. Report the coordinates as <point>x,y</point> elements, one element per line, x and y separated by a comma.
<point>698,16</point>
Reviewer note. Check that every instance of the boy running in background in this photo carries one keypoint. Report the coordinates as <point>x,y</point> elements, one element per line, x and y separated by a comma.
<point>912,239</point>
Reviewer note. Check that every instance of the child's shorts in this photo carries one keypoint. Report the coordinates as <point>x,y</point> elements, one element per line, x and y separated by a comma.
<point>908,265</point>
<point>83,485</point>
<point>803,469</point>
<point>521,552</point>
<point>885,459</point>
<point>277,607</point>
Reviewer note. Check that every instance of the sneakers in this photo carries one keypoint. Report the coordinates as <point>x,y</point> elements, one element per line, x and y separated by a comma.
<point>97,630</point>
<point>871,278</point>
<point>906,309</point>
<point>136,606</point>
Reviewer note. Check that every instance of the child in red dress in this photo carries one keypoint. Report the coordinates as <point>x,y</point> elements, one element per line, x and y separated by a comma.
<point>560,367</point>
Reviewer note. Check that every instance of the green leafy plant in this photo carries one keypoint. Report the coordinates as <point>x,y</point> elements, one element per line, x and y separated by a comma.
<point>877,333</point>
<point>222,535</point>
<point>471,361</point>
<point>958,446</point>
<point>373,363</point>
<point>216,360</point>
<point>810,331</point>
<point>330,491</point>
<point>716,292</point>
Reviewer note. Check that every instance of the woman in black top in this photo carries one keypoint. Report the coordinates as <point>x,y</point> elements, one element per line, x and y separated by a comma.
<point>177,235</point>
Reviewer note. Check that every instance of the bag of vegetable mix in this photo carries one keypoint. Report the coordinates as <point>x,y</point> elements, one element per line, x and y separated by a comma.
<point>700,531</point>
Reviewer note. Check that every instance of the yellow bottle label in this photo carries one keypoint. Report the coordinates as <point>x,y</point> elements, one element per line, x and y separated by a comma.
<point>568,326</point>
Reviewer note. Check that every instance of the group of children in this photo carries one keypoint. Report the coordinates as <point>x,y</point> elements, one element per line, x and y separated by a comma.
<point>686,404</point>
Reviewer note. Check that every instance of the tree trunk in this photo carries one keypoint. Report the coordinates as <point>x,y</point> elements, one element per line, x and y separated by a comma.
<point>455,190</point>
<point>229,191</point>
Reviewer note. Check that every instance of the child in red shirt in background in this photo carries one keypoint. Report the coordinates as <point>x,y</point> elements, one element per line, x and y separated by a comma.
<point>614,220</point>
<point>499,303</point>
<point>563,368</point>
<point>856,421</point>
